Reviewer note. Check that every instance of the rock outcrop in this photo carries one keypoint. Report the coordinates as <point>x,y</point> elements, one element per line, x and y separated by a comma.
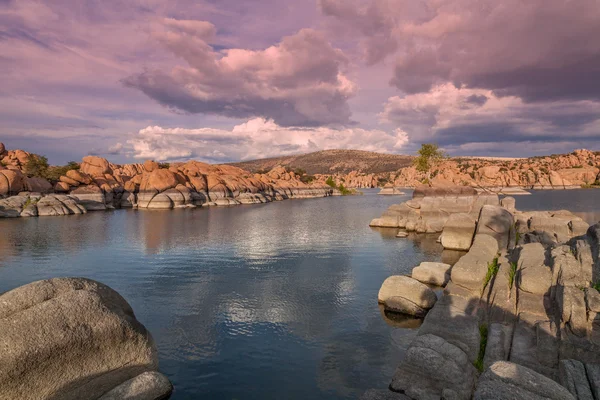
<point>73,338</point>
<point>522,306</point>
<point>100,185</point>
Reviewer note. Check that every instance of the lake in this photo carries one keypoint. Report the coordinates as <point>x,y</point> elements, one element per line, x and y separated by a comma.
<point>264,301</point>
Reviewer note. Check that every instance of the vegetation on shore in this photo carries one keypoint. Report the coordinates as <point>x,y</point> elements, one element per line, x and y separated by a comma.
<point>483,336</point>
<point>37,167</point>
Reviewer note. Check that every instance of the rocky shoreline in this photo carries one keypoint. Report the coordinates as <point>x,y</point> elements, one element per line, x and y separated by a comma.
<point>98,185</point>
<point>519,315</point>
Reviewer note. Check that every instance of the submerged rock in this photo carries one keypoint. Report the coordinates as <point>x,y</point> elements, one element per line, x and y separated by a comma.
<point>146,386</point>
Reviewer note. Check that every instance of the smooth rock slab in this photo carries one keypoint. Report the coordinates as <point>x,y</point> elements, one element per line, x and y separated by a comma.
<point>534,276</point>
<point>497,222</point>
<point>573,376</point>
<point>505,380</point>
<point>434,273</point>
<point>471,269</point>
<point>146,386</point>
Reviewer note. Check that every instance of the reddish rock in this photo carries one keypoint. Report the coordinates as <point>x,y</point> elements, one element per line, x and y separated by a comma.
<point>95,166</point>
<point>150,165</point>
<point>12,182</point>
<point>79,176</point>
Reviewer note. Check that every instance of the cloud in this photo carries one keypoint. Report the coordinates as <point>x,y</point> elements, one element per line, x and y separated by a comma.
<point>538,50</point>
<point>256,138</point>
<point>299,81</point>
<point>463,119</point>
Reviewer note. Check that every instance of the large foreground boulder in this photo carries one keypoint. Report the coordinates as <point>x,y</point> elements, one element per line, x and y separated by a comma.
<point>70,338</point>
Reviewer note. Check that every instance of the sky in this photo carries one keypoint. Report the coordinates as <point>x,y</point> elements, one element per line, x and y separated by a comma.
<point>229,80</point>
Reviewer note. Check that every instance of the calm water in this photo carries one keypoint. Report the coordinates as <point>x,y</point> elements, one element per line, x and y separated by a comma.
<point>250,302</point>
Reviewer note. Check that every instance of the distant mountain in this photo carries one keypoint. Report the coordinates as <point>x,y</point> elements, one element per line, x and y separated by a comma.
<point>333,161</point>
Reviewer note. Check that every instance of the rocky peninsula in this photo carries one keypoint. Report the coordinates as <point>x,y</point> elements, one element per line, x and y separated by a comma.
<point>357,169</point>
<point>95,184</point>
<point>518,316</point>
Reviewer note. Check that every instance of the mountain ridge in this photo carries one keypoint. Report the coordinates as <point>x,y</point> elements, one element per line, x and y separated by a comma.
<point>332,161</point>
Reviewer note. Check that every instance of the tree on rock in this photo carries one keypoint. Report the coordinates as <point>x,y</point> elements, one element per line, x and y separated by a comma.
<point>37,166</point>
<point>429,157</point>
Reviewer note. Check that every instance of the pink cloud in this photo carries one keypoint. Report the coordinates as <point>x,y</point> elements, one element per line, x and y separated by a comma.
<point>301,80</point>
<point>256,138</point>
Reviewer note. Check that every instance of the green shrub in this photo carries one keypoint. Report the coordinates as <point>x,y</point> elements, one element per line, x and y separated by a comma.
<point>596,285</point>
<point>483,336</point>
<point>307,178</point>
<point>54,173</point>
<point>492,270</point>
<point>512,273</point>
<point>36,166</point>
<point>330,182</point>
<point>164,165</point>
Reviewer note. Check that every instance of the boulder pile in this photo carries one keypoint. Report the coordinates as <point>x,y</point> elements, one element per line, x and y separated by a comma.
<point>74,338</point>
<point>100,185</point>
<point>519,317</point>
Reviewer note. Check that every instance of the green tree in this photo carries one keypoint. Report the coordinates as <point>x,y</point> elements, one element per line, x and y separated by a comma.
<point>429,156</point>
<point>331,182</point>
<point>37,166</point>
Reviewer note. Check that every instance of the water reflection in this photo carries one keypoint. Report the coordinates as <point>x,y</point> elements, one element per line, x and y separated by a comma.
<point>256,302</point>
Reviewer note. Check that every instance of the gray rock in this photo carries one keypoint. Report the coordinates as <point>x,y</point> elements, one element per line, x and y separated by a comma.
<point>146,386</point>
<point>592,299</point>
<point>383,394</point>
<point>409,288</point>
<point>406,295</point>
<point>434,368</point>
<point>571,303</point>
<point>557,227</point>
<point>427,191</point>
<point>161,201</point>
<point>509,203</point>
<point>53,205</point>
<point>498,344</point>
<point>471,269</point>
<point>433,273</point>
<point>399,304</point>
<point>573,376</point>
<point>92,197</point>
<point>63,331</point>
<point>593,375</point>
<point>534,276</point>
<point>505,380</point>
<point>497,222</point>
<point>455,320</point>
<point>458,232</point>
